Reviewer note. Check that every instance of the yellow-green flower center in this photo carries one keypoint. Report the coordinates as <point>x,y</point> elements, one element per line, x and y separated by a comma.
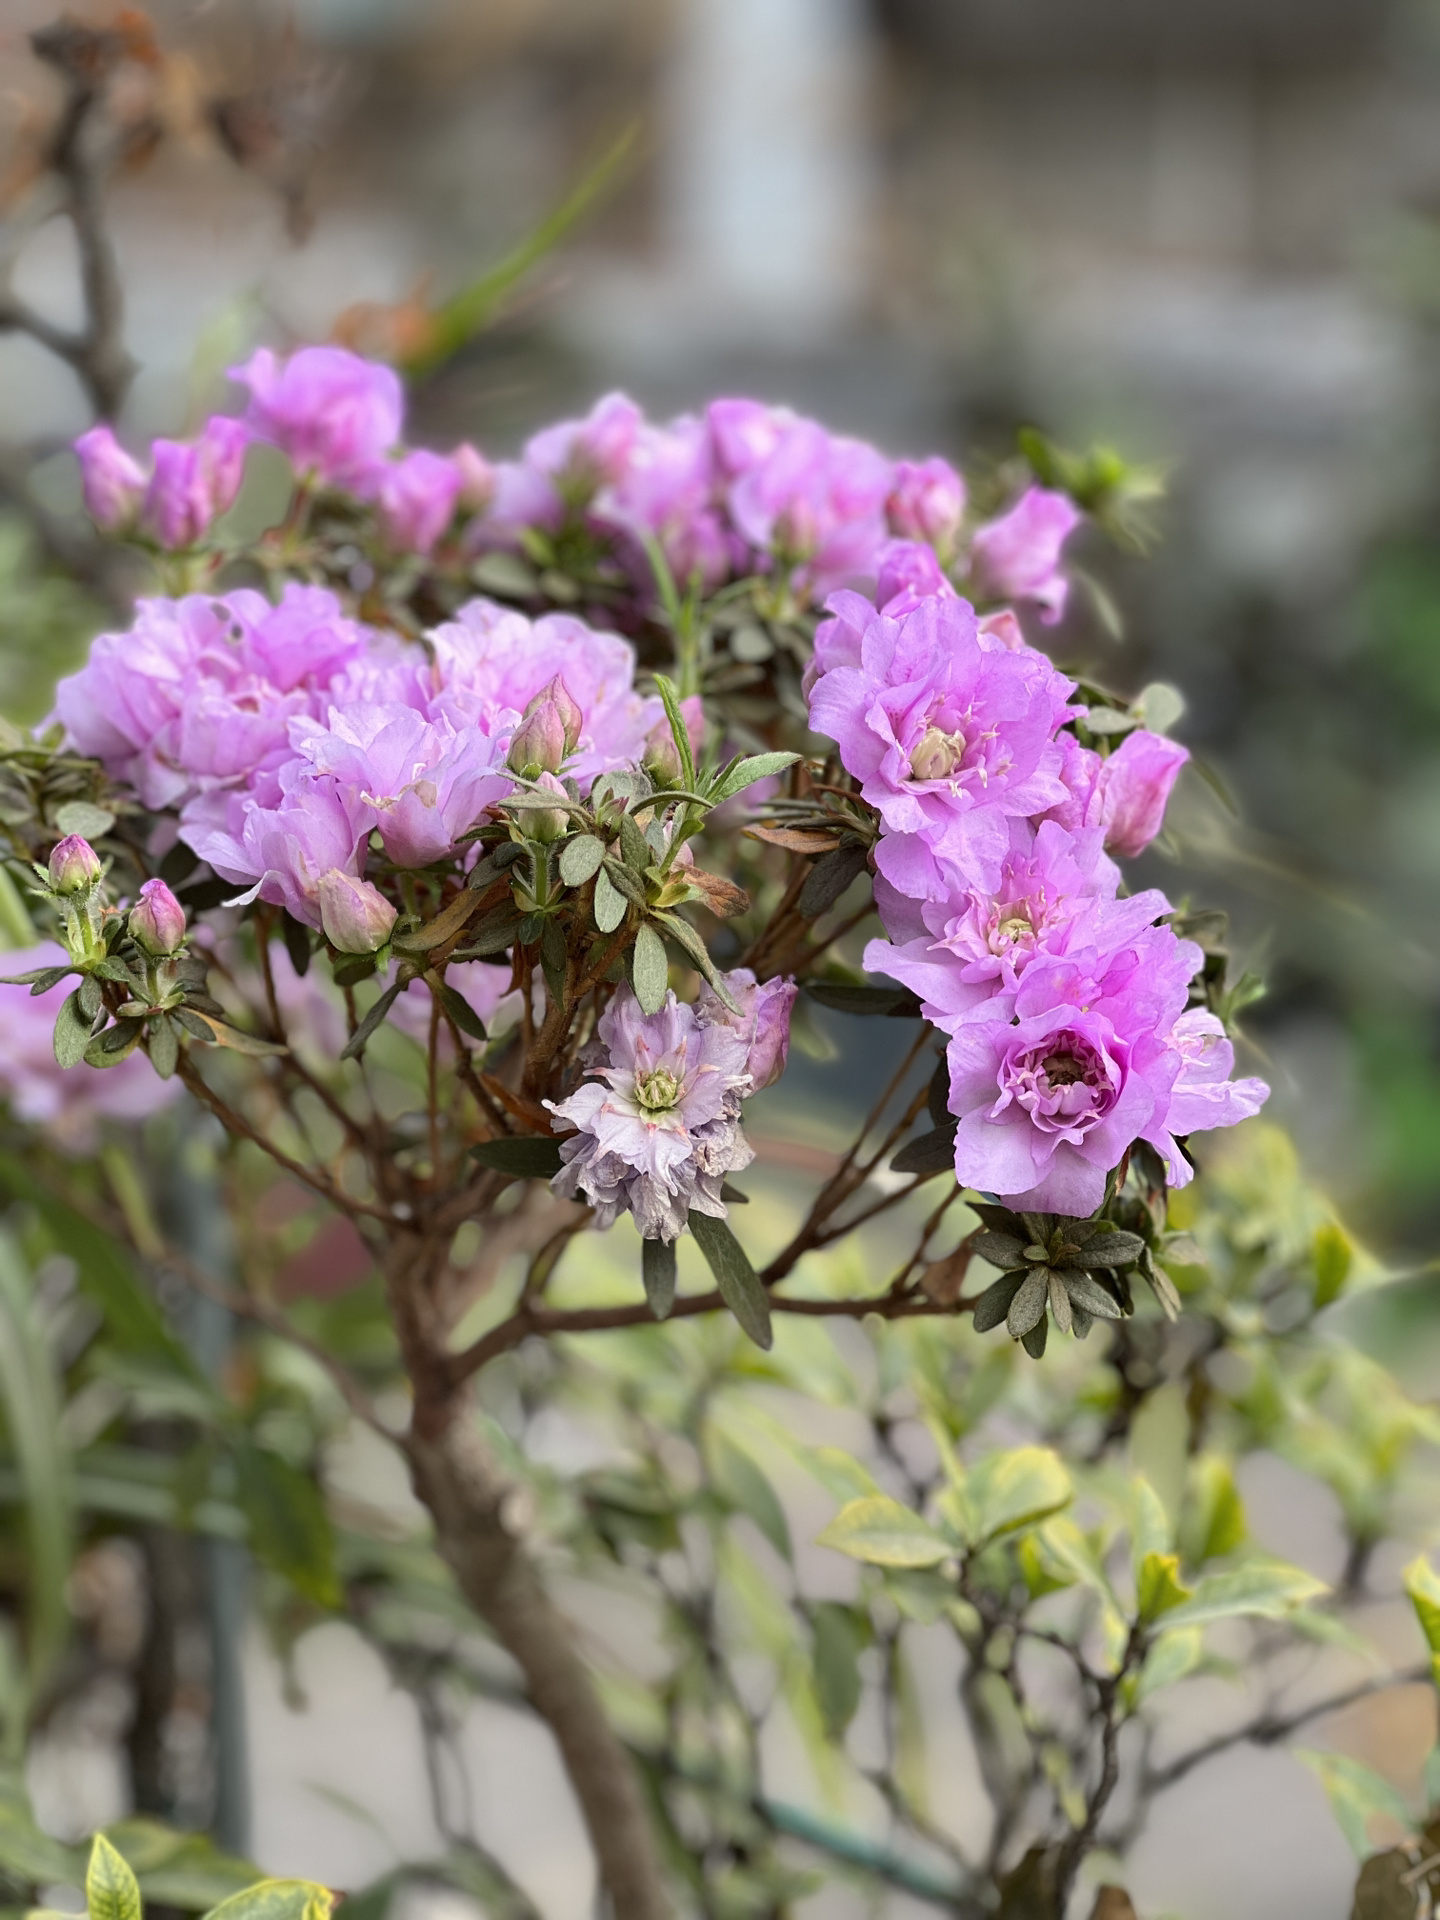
<point>657,1090</point>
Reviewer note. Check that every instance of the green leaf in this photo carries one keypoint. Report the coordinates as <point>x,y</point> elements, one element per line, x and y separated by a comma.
<point>459,1009</point>
<point>277,1900</point>
<point>841,1636</point>
<point>580,858</point>
<point>610,903</point>
<point>72,1032</point>
<point>686,936</point>
<point>1332,1256</point>
<point>111,1891</point>
<point>164,1048</point>
<point>758,766</point>
<point>884,1533</point>
<point>657,1271</point>
<point>994,1303</point>
<point>830,876</point>
<point>1266,1589</point>
<point>649,970</point>
<point>635,849</point>
<point>79,816</point>
<point>931,1153</point>
<point>289,1527</point>
<point>740,1286</point>
<point>1172,1658</point>
<point>743,1484</point>
<point>38,979</point>
<point>1007,1491</point>
<point>670,697</point>
<point>222,1034</point>
<point>1001,1250</point>
<point>1422,1585</point>
<point>371,1024</point>
<point>1159,1588</point>
<point>1357,1794</point>
<point>1386,1888</point>
<point>1109,1250</point>
<point>523,1156</point>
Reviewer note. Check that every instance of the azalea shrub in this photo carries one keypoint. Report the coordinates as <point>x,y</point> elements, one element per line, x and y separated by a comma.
<point>470,845</point>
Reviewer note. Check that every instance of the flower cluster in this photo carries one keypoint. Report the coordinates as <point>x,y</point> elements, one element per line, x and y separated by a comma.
<point>657,1126</point>
<point>1068,1004</point>
<point>743,489</point>
<point>284,736</point>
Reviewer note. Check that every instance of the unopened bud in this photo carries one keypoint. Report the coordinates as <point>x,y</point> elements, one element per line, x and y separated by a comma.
<point>661,757</point>
<point>74,865</point>
<point>157,920</point>
<point>357,917</point>
<point>539,743</point>
<point>113,483</point>
<point>477,478</point>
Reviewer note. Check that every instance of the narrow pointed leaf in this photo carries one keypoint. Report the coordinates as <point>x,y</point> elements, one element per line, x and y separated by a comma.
<point>740,1286</point>
<point>657,1270</point>
<point>524,1157</point>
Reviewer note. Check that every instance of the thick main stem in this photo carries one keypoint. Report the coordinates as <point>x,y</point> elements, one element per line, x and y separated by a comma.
<point>459,1482</point>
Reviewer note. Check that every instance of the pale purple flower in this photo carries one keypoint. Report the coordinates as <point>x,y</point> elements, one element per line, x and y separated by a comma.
<point>1205,1096</point>
<point>68,1106</point>
<point>926,502</point>
<point>335,415</point>
<point>416,496</point>
<point>658,1127</point>
<point>280,852</point>
<point>356,916</point>
<point>666,490</point>
<point>157,920</point>
<point>74,865</point>
<point>1055,893</point>
<point>200,691</point>
<point>1050,1090</point>
<point>581,456</point>
<point>489,660</point>
<point>763,1021</point>
<point>950,734</point>
<point>907,573</point>
<point>1126,793</point>
<point>1017,557</point>
<point>113,483</point>
<point>420,783</point>
<point>815,504</point>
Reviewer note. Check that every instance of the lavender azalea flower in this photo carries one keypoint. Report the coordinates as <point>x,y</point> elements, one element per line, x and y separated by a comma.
<point>336,416</point>
<point>1017,557</point>
<point>281,851</point>
<point>763,1021</point>
<point>417,496</point>
<point>815,503</point>
<point>1095,1052</point>
<point>926,502</point>
<point>1056,892</point>
<point>193,482</point>
<point>950,733</point>
<point>1125,794</point>
<point>658,1128</point>
<point>200,691</point>
<point>420,783</point>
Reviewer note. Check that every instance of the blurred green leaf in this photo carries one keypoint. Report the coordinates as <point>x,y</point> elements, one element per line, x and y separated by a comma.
<point>886,1534</point>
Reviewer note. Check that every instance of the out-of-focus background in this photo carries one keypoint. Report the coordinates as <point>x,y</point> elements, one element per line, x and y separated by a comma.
<point>1207,232</point>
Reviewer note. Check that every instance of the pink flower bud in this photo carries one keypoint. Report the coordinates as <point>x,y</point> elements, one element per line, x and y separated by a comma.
<point>927,502</point>
<point>1132,789</point>
<point>157,920</point>
<point>74,865</point>
<point>661,757</point>
<point>540,744</point>
<point>571,718</point>
<point>113,483</point>
<point>477,478</point>
<point>357,917</point>
<point>193,483</point>
<point>417,496</point>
